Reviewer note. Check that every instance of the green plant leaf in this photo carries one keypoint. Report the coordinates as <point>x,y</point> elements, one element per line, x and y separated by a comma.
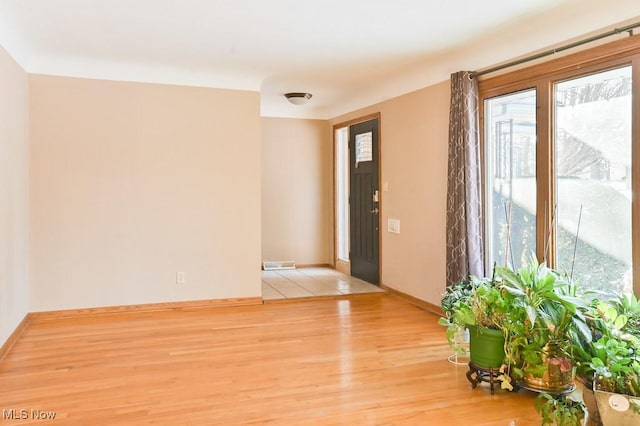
<point>620,321</point>
<point>444,322</point>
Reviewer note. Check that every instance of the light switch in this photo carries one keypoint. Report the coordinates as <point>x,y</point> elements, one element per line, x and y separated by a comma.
<point>393,226</point>
<point>385,186</point>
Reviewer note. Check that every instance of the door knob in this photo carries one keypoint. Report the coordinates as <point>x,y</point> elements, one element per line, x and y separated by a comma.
<point>375,210</point>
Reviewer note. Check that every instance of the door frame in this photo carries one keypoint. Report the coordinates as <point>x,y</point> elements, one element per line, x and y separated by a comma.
<point>340,265</point>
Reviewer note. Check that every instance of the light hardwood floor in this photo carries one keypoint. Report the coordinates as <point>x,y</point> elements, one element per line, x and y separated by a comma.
<point>361,360</point>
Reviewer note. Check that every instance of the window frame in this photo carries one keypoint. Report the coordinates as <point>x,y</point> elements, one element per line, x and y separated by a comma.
<point>542,77</point>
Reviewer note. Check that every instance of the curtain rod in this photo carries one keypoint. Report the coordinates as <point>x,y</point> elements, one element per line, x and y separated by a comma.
<point>627,28</point>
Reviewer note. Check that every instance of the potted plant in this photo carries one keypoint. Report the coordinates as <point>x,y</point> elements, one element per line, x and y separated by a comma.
<point>453,297</point>
<point>610,363</point>
<point>482,310</point>
<point>543,322</point>
<point>560,410</point>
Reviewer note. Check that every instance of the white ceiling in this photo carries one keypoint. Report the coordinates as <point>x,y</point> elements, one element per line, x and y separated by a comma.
<point>348,53</point>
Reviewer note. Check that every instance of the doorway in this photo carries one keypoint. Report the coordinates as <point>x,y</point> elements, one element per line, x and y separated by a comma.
<point>358,198</point>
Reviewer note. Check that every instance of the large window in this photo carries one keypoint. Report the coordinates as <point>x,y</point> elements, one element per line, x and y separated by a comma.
<point>510,164</point>
<point>593,178</point>
<point>558,146</point>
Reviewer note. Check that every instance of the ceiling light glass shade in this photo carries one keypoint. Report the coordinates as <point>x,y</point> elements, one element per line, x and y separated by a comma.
<point>298,98</point>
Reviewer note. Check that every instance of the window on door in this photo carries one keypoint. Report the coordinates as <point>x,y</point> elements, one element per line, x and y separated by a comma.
<point>558,167</point>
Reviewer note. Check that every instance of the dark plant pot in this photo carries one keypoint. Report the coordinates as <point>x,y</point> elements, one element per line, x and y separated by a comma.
<point>486,347</point>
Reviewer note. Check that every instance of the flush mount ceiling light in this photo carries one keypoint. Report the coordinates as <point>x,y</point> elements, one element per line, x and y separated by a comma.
<point>298,98</point>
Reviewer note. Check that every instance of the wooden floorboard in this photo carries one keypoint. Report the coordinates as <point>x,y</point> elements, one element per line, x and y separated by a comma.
<point>366,360</point>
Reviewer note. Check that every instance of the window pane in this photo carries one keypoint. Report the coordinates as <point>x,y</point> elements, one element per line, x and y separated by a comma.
<point>593,172</point>
<point>342,193</point>
<point>364,147</point>
<point>510,156</point>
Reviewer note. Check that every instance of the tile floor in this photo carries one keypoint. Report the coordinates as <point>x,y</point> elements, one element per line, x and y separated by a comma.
<point>311,282</point>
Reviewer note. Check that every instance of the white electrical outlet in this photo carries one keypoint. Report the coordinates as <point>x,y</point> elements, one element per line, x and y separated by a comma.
<point>179,277</point>
<point>393,226</point>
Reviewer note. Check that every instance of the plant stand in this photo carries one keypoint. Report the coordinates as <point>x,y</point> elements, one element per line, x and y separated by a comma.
<point>554,392</point>
<point>461,339</point>
<point>477,374</point>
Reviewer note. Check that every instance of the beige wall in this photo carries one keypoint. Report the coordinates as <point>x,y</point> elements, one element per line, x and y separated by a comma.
<point>131,183</point>
<point>14,212</point>
<point>297,192</point>
<point>414,132</point>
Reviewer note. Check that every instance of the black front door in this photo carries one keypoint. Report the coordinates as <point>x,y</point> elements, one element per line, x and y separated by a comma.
<point>364,201</point>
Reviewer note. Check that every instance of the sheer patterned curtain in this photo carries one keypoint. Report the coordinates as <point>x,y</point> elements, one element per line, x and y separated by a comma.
<point>465,250</point>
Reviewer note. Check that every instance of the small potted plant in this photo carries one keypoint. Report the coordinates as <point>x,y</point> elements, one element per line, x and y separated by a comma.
<point>482,310</point>
<point>610,363</point>
<point>453,297</point>
<point>560,410</point>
